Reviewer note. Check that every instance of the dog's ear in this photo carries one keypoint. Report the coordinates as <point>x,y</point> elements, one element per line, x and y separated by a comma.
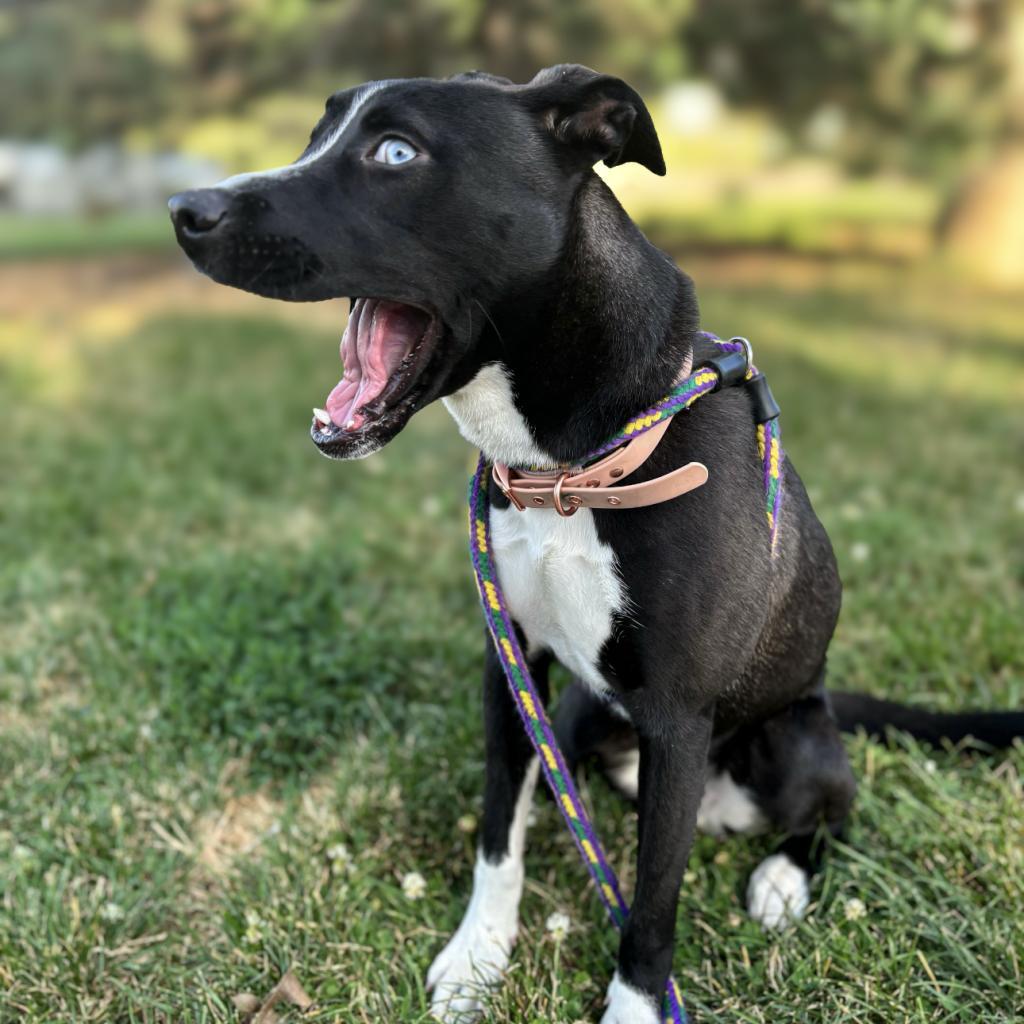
<point>598,116</point>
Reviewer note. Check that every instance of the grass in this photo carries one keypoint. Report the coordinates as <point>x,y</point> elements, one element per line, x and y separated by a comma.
<point>239,696</point>
<point>25,237</point>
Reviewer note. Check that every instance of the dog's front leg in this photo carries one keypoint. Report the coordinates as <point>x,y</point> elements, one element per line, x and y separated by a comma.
<point>672,768</point>
<point>478,953</point>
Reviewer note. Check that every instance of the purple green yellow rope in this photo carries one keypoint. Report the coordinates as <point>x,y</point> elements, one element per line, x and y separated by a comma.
<point>537,724</point>
<point>521,685</point>
<point>704,380</point>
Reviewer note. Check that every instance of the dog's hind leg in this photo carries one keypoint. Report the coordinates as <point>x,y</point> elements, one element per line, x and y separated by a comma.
<point>478,953</point>
<point>799,776</point>
<point>586,725</point>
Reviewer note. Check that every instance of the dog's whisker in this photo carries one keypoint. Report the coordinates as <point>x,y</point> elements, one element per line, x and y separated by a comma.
<point>487,317</point>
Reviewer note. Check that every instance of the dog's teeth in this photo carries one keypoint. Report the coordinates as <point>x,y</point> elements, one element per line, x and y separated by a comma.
<point>322,418</point>
<point>351,425</point>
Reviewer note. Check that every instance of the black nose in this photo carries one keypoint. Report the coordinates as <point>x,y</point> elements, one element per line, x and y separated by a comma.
<point>198,211</point>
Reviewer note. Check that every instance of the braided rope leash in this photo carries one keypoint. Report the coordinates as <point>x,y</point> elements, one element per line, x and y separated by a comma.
<point>524,691</point>
<point>702,382</point>
<point>538,726</point>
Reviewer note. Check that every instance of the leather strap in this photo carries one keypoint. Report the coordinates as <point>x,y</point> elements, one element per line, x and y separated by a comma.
<point>594,486</point>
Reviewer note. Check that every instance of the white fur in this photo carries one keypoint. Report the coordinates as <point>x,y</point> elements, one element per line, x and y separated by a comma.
<point>339,129</point>
<point>560,583</point>
<point>778,892</point>
<point>624,772</point>
<point>627,1005</point>
<point>726,807</point>
<point>487,417</point>
<point>478,953</point>
<point>559,579</point>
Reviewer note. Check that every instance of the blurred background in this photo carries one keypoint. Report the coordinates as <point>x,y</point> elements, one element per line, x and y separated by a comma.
<point>238,698</point>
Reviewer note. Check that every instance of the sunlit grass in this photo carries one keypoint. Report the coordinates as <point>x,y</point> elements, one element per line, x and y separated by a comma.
<point>223,658</point>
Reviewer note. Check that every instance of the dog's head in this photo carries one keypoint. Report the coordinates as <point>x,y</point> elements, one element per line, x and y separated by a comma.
<point>428,203</point>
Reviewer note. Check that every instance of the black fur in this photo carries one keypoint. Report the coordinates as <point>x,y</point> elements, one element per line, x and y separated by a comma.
<point>503,233</point>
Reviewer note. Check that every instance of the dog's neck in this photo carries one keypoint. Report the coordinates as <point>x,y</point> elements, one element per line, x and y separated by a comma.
<point>603,335</point>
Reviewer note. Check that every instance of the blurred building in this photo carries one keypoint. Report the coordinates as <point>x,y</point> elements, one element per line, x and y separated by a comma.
<point>43,179</point>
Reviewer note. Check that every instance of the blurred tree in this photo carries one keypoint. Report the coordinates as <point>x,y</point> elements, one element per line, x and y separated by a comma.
<point>930,87</point>
<point>95,68</point>
<point>75,71</point>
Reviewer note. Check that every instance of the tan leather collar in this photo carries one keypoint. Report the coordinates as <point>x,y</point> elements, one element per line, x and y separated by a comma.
<point>599,484</point>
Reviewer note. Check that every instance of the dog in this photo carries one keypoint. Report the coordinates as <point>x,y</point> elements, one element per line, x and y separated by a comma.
<point>490,267</point>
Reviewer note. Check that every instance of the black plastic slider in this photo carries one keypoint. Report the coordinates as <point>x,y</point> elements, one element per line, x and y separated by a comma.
<point>765,406</point>
<point>731,367</point>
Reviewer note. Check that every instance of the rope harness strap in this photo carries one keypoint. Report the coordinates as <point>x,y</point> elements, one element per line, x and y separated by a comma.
<point>732,366</point>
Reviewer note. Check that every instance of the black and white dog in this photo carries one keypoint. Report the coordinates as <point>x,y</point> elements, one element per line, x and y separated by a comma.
<point>490,267</point>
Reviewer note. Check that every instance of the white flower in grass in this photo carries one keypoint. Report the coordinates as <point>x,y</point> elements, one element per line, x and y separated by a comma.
<point>930,766</point>
<point>558,925</point>
<point>253,928</point>
<point>860,552</point>
<point>854,909</point>
<point>112,912</point>
<point>414,885</point>
<point>467,824</point>
<point>340,858</point>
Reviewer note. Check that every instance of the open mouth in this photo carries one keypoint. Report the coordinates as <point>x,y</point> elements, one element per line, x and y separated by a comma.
<point>384,350</point>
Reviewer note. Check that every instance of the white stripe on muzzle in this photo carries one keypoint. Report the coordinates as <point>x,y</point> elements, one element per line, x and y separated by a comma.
<point>283,172</point>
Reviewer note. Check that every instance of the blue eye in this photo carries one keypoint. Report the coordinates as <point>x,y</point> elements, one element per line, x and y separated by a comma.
<point>394,151</point>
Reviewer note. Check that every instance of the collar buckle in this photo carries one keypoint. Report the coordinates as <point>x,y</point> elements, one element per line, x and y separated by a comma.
<point>501,478</point>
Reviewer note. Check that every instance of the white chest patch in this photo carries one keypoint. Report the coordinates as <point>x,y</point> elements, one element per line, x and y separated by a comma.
<point>559,579</point>
<point>560,584</point>
<point>487,417</point>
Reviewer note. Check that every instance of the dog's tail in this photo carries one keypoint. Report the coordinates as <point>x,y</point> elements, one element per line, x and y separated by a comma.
<point>989,729</point>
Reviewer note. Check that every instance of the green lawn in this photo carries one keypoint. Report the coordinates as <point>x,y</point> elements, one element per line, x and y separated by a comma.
<point>239,684</point>
<point>23,237</point>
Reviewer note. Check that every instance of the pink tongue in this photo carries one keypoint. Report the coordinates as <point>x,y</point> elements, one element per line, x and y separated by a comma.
<point>377,338</point>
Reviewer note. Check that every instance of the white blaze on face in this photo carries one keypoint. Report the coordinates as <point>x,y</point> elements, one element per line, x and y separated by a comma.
<point>323,147</point>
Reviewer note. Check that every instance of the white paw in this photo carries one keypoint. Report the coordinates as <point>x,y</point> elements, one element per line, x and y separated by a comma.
<point>778,892</point>
<point>473,962</point>
<point>628,1005</point>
